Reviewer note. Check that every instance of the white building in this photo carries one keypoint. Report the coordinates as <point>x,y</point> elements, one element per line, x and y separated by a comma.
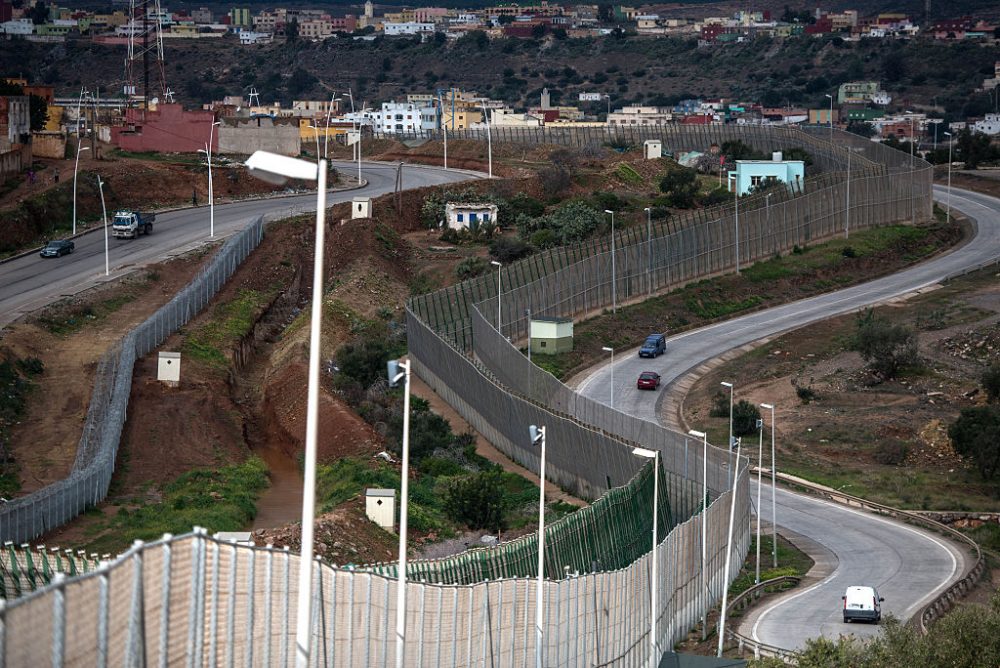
<point>405,118</point>
<point>18,27</point>
<point>989,125</point>
<point>508,119</point>
<point>253,37</point>
<point>638,116</point>
<point>408,28</point>
<point>466,215</point>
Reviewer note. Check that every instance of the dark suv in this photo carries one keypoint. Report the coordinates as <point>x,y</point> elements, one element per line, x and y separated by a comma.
<point>57,248</point>
<point>655,345</point>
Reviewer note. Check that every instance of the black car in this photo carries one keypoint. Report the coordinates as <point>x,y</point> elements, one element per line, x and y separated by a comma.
<point>57,248</point>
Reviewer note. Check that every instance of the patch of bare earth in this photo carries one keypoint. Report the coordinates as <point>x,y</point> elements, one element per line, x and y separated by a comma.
<point>44,443</point>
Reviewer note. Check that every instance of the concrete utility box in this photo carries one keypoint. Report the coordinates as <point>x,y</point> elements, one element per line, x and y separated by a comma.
<point>652,149</point>
<point>168,369</point>
<point>550,336</point>
<point>361,207</point>
<point>380,506</point>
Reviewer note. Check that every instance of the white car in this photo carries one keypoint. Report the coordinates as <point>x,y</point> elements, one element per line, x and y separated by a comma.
<point>862,603</point>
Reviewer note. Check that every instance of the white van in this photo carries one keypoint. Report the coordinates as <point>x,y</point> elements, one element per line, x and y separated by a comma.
<point>862,603</point>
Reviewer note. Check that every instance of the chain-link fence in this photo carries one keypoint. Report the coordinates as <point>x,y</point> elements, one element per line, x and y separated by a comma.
<point>32,515</point>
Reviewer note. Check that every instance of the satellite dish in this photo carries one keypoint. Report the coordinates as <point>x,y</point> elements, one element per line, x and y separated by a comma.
<point>155,100</point>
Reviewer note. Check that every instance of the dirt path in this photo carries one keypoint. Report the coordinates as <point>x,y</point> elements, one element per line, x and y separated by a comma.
<point>483,447</point>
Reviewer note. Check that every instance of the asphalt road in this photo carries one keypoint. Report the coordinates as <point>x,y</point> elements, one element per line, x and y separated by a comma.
<point>30,282</point>
<point>907,565</point>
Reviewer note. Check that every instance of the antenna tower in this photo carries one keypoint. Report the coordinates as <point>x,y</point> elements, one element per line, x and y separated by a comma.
<point>254,97</point>
<point>145,47</point>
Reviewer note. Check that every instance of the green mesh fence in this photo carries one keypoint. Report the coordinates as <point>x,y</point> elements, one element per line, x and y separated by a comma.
<point>24,569</point>
<point>610,534</point>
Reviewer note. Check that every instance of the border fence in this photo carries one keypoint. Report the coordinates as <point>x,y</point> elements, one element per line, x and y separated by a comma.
<point>29,516</point>
<point>197,601</point>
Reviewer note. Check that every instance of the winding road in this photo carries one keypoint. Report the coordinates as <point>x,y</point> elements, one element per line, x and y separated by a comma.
<point>30,282</point>
<point>907,565</point>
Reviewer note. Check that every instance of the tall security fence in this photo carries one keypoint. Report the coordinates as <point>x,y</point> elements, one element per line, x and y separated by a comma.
<point>32,515</point>
<point>201,602</point>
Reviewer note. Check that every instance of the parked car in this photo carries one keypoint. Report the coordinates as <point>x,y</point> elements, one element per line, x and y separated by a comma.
<point>655,345</point>
<point>862,603</point>
<point>648,380</point>
<point>57,248</point>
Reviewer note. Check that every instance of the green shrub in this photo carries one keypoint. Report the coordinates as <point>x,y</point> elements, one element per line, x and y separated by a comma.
<point>745,418</point>
<point>887,348</point>
<point>509,249</point>
<point>990,381</point>
<point>976,434</point>
<point>471,267</point>
<point>891,452</point>
<point>849,252</point>
<point>720,405</point>
<point>805,393</point>
<point>478,500</point>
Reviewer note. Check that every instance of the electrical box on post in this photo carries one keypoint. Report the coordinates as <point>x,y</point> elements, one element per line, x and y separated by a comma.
<point>168,369</point>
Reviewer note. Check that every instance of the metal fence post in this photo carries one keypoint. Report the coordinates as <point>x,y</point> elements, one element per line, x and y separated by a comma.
<point>165,603</point>
<point>134,643</point>
<point>59,621</point>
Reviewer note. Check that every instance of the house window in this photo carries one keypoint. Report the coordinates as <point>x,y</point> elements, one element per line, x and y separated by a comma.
<point>755,180</point>
<point>541,344</point>
<point>486,217</point>
<point>460,217</point>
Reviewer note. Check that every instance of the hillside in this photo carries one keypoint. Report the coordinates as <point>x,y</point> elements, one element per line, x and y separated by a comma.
<point>796,71</point>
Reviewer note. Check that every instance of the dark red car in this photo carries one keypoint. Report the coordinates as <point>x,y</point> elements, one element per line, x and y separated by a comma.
<point>648,380</point>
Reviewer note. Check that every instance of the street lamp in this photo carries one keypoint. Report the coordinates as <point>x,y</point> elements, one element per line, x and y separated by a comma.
<point>730,386</point>
<point>760,469</point>
<point>538,438</point>
<point>649,249</point>
<point>316,134</point>
<point>79,149</point>
<point>950,142</point>
<point>774,504</point>
<point>277,169</point>
<point>104,212</point>
<point>444,127</point>
<point>394,377</point>
<point>499,305</point>
<point>326,136</point>
<point>912,139</point>
<point>729,556</point>
<point>767,215</point>
<point>831,116</point>
<point>612,351</point>
<point>654,584</point>
<point>704,536</point>
<point>736,219</point>
<point>614,284</point>
<point>847,206</point>
<point>489,138</point>
<point>527,313</point>
<point>607,120</point>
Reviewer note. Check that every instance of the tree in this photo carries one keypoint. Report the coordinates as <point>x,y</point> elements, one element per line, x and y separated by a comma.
<point>886,347</point>
<point>509,249</point>
<point>539,31</point>
<point>737,150</point>
<point>976,434</point>
<point>860,128</point>
<point>974,148</point>
<point>990,381</point>
<point>39,110</point>
<point>745,417</point>
<point>894,66</point>
<point>292,30</point>
<point>478,501</point>
<point>797,153</point>
<point>680,185</point>
<point>39,13</point>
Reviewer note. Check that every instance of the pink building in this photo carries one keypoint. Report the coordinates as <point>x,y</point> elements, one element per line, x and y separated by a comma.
<point>169,129</point>
<point>429,14</point>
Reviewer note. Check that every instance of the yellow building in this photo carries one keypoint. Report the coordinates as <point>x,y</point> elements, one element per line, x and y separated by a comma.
<point>308,135</point>
<point>463,117</point>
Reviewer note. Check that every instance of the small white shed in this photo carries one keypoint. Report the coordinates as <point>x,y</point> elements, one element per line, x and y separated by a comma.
<point>652,149</point>
<point>469,215</point>
<point>168,368</point>
<point>550,336</point>
<point>361,207</point>
<point>380,506</point>
<point>238,537</point>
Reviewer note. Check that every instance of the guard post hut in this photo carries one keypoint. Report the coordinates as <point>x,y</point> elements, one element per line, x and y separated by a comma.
<point>551,336</point>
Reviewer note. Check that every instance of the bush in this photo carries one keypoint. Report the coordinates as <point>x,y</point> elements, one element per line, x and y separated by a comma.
<point>716,196</point>
<point>849,252</point>
<point>522,204</point>
<point>720,405</point>
<point>891,452</point>
<point>745,418</point>
<point>990,381</point>
<point>805,394</point>
<point>509,249</point>
<point>364,360</point>
<point>471,267</point>
<point>681,186</point>
<point>887,348</point>
<point>478,500</point>
<point>976,434</point>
